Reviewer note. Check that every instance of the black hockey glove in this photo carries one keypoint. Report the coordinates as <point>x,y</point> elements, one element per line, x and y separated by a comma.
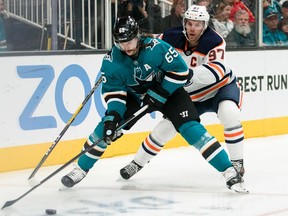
<point>110,122</point>
<point>155,97</point>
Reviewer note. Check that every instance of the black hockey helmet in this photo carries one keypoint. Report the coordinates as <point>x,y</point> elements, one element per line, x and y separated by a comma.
<point>125,29</point>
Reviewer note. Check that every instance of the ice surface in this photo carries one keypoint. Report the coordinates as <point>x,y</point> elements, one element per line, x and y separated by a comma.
<point>178,182</point>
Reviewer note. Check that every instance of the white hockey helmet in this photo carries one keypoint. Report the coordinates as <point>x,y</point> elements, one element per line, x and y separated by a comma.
<point>197,12</point>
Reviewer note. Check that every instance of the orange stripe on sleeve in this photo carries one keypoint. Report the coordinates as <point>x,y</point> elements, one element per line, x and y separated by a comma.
<point>217,68</point>
<point>222,83</point>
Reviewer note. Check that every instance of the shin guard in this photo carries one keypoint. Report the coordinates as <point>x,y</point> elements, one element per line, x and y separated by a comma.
<point>87,160</point>
<point>212,151</point>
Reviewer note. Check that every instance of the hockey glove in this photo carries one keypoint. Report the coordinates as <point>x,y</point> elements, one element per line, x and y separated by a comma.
<point>110,122</point>
<point>155,97</point>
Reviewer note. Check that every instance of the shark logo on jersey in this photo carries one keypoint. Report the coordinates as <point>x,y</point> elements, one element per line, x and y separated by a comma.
<point>108,56</point>
<point>138,74</point>
<point>142,84</point>
<point>152,44</point>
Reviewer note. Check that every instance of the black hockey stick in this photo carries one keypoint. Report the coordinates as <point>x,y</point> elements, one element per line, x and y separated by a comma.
<point>139,112</point>
<point>30,179</point>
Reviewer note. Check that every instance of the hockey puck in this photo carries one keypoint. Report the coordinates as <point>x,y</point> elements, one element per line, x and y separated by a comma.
<point>51,211</point>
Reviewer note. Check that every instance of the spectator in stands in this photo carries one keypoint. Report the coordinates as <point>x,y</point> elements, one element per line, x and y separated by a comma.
<point>236,5</point>
<point>241,35</point>
<point>283,23</point>
<point>208,4</point>
<point>3,44</point>
<point>283,26</point>
<point>251,5</point>
<point>284,11</point>
<point>147,14</point>
<point>154,17</point>
<point>205,3</point>
<point>271,34</point>
<point>209,7</point>
<point>176,15</point>
<point>221,22</point>
<point>274,4</point>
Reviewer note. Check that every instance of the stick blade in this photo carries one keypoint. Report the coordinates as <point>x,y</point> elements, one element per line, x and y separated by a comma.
<point>8,203</point>
<point>31,176</point>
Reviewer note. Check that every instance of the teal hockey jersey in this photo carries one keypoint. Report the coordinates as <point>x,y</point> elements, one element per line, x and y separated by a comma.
<point>157,61</point>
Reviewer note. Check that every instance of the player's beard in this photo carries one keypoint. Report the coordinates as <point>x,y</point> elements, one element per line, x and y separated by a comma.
<point>243,29</point>
<point>131,52</point>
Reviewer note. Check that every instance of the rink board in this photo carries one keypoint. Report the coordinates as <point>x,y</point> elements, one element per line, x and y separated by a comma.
<point>39,94</point>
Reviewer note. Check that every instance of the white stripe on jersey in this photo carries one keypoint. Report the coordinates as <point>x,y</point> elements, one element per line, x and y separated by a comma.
<point>169,79</point>
<point>114,93</point>
<point>208,75</point>
<point>116,100</point>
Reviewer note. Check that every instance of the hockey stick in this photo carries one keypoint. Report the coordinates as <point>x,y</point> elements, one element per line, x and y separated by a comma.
<point>66,36</point>
<point>139,112</point>
<point>30,179</point>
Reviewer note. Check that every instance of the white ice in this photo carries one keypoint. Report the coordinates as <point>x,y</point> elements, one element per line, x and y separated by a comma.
<point>178,182</point>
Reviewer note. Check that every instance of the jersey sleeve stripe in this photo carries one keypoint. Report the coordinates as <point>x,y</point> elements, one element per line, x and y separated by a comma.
<point>212,71</point>
<point>177,75</point>
<point>219,64</point>
<point>217,69</point>
<point>175,81</point>
<point>116,100</point>
<point>118,94</point>
<point>197,97</point>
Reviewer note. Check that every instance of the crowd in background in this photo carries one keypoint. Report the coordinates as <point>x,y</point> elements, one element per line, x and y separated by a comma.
<point>3,45</point>
<point>234,20</point>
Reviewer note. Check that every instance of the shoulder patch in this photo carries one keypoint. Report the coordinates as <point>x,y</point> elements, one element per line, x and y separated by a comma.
<point>152,43</point>
<point>108,56</point>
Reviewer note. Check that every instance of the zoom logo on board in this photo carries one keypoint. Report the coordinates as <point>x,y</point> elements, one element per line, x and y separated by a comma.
<point>29,121</point>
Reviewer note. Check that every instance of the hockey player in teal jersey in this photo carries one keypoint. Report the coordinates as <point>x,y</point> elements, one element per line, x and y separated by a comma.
<point>146,70</point>
<point>212,88</point>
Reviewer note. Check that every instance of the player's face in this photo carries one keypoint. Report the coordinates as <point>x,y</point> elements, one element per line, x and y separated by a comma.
<point>130,47</point>
<point>194,29</point>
